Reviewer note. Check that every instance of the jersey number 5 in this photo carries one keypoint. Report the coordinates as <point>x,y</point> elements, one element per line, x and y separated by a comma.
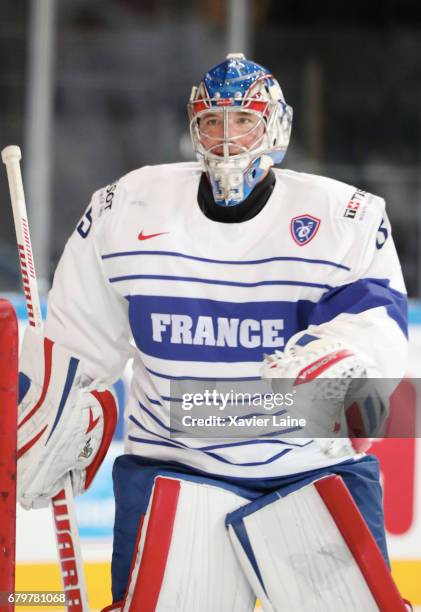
<point>85,224</point>
<point>382,235</point>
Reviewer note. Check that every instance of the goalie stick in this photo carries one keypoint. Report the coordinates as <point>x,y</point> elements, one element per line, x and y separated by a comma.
<point>65,524</point>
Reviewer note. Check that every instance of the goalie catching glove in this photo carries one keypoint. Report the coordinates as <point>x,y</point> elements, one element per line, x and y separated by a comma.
<point>66,422</point>
<point>332,391</point>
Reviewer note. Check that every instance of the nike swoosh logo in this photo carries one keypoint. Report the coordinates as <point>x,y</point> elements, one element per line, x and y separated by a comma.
<point>143,236</point>
<point>92,421</point>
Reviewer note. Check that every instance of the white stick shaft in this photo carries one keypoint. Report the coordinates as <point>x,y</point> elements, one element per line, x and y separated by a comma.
<point>11,157</point>
<point>64,514</point>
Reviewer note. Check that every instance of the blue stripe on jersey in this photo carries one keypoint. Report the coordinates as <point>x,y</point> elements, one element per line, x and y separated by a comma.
<point>159,403</point>
<point>214,281</point>
<point>253,442</point>
<point>176,443</point>
<point>230,332</point>
<point>211,378</point>
<point>157,420</point>
<point>359,296</point>
<point>214,455</point>
<point>252,262</point>
<point>206,449</point>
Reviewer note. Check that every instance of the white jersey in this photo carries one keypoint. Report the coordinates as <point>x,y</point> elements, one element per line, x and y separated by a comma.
<point>147,275</point>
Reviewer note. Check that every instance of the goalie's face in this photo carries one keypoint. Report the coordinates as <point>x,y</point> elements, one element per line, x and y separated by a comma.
<point>230,131</point>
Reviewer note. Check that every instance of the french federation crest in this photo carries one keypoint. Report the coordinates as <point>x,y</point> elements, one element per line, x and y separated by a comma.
<point>304,228</point>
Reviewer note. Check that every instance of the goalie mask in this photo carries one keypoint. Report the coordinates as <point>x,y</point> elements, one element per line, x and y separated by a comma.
<point>240,126</point>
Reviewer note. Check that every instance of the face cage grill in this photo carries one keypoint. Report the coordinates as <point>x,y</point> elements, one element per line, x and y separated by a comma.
<point>269,118</point>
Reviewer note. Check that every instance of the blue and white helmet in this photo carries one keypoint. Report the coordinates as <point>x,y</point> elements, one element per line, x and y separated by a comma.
<point>240,86</point>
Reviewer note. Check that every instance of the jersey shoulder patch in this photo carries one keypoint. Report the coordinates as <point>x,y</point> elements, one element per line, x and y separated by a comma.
<point>360,206</point>
<point>347,206</point>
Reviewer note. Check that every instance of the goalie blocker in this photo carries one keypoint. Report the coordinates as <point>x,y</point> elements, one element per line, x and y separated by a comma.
<point>303,547</point>
<point>66,422</point>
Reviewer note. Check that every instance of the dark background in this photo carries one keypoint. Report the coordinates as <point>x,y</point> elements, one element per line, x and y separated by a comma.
<point>124,70</point>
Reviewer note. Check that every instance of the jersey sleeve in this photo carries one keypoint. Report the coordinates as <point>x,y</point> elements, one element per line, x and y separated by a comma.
<point>85,315</point>
<point>370,313</point>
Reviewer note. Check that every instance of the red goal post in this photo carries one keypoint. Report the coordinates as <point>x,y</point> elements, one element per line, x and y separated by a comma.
<point>9,346</point>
